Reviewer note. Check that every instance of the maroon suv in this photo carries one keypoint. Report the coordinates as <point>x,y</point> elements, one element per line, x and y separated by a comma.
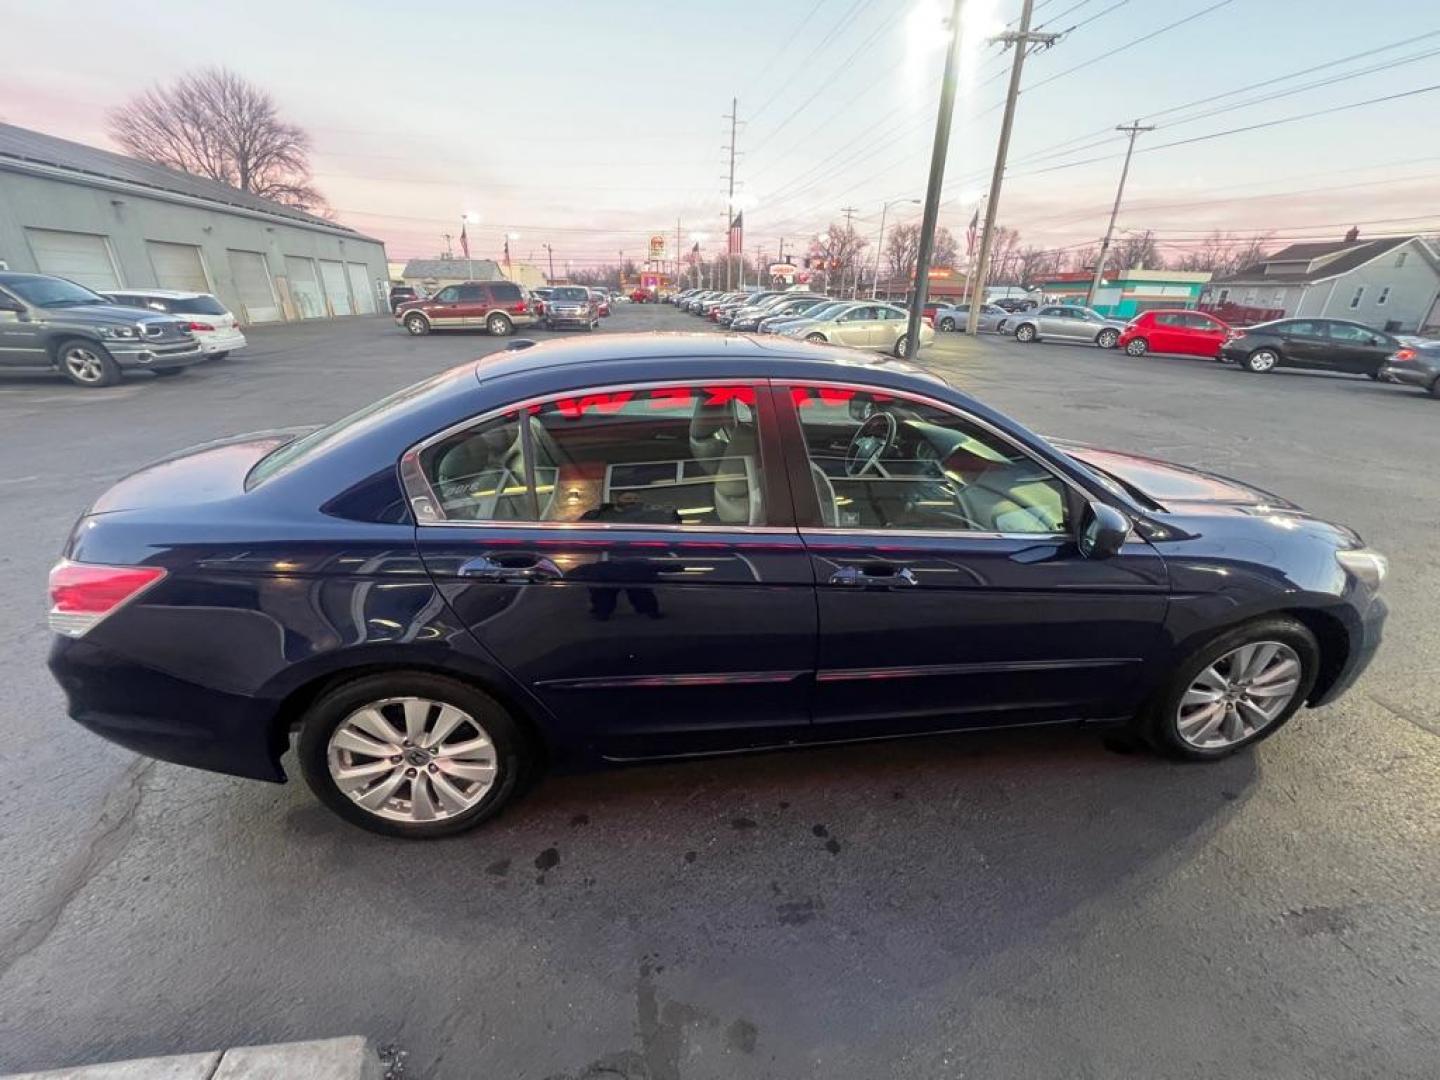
<point>496,306</point>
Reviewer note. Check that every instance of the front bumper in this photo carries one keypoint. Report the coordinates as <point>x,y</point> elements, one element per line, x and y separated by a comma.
<point>1409,374</point>
<point>142,356</point>
<point>161,716</point>
<point>1364,641</point>
<point>569,318</point>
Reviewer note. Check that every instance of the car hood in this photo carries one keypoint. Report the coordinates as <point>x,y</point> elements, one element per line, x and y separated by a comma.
<point>1174,487</point>
<point>109,315</point>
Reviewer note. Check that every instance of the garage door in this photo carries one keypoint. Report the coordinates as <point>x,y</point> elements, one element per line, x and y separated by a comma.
<point>81,257</point>
<point>337,289</point>
<point>360,288</point>
<point>253,286</point>
<point>178,266</point>
<point>305,287</point>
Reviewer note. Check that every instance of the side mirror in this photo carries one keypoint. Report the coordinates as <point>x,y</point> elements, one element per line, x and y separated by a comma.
<point>1102,531</point>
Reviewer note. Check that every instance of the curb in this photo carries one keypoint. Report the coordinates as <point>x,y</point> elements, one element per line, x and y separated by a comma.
<point>349,1058</point>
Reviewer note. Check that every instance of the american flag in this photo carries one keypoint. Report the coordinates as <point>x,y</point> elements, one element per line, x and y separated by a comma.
<point>737,234</point>
<point>694,255</point>
<point>507,251</point>
<point>464,242</point>
<point>970,232</point>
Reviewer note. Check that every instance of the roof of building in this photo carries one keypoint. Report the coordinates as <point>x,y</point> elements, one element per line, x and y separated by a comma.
<point>1350,254</point>
<point>21,145</point>
<point>455,269</point>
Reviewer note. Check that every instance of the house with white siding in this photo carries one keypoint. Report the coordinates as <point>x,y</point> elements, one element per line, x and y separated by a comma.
<point>1391,284</point>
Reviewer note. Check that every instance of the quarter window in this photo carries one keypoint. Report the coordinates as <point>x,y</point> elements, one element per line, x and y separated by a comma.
<point>881,462</point>
<point>676,455</point>
<point>504,293</point>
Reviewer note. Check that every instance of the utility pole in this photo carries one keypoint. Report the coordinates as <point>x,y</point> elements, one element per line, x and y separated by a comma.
<point>849,212</point>
<point>1132,129</point>
<point>880,243</point>
<point>1020,40</point>
<point>675,281</point>
<point>551,252</point>
<point>730,196</point>
<point>937,178</point>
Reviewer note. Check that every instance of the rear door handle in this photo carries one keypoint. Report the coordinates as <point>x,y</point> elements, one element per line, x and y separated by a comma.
<point>511,569</point>
<point>875,576</point>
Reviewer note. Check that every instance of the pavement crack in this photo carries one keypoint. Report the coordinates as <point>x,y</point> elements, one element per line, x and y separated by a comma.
<point>1403,714</point>
<point>105,840</point>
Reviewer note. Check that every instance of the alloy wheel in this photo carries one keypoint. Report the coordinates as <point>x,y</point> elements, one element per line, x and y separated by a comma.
<point>1238,695</point>
<point>1025,333</point>
<point>417,325</point>
<point>412,759</point>
<point>1137,347</point>
<point>947,325</point>
<point>1261,361</point>
<point>84,365</point>
<point>1107,339</point>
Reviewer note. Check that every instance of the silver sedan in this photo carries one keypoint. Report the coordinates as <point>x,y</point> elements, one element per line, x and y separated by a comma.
<point>1067,322</point>
<point>993,320</point>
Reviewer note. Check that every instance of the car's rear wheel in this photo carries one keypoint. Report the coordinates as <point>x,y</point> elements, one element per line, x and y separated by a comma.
<point>87,363</point>
<point>1025,333</point>
<point>499,325</point>
<point>1236,690</point>
<point>411,754</point>
<point>1137,347</point>
<point>901,344</point>
<point>1261,361</point>
<point>1106,339</point>
<point>947,324</point>
<point>819,338</point>
<point>417,324</point>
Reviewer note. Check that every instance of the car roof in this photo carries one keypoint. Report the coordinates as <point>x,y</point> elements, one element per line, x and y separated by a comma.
<point>7,276</point>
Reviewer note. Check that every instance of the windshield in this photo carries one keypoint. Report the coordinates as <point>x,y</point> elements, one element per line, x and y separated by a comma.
<point>50,292</point>
<point>197,305</point>
<point>570,293</point>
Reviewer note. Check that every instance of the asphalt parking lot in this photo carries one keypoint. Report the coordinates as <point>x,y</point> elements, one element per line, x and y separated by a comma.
<point>1033,905</point>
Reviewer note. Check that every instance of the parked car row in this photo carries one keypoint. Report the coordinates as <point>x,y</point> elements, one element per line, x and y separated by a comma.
<point>1315,344</point>
<point>861,324</point>
<point>52,324</point>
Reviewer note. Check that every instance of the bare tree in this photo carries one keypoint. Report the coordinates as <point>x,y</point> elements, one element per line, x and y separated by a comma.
<point>1137,251</point>
<point>839,247</point>
<point>902,248</point>
<point>1085,258</point>
<point>213,123</point>
<point>1246,253</point>
<point>1003,248</point>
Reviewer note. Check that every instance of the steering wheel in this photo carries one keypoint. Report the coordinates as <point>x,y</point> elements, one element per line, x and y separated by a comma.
<point>871,441</point>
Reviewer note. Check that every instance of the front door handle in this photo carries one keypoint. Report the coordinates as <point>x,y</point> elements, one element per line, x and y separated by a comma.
<point>511,569</point>
<point>874,576</point>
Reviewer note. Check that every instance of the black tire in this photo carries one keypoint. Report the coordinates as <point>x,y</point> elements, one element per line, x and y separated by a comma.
<point>417,325</point>
<point>514,754</point>
<point>947,325</point>
<point>1137,347</point>
<point>1157,724</point>
<point>1107,338</point>
<point>1025,333</point>
<point>900,344</point>
<point>498,325</point>
<point>168,372</point>
<point>817,338</point>
<point>86,363</point>
<point>1261,361</point>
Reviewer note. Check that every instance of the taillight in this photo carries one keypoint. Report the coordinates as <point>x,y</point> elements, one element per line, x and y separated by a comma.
<point>1402,356</point>
<point>81,594</point>
<point>1234,335</point>
<point>519,309</point>
<point>198,327</point>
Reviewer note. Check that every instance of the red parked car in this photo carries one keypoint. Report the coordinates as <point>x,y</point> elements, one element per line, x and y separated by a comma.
<point>1189,333</point>
<point>602,302</point>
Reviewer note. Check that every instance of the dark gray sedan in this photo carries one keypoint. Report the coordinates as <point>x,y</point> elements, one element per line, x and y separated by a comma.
<point>1415,363</point>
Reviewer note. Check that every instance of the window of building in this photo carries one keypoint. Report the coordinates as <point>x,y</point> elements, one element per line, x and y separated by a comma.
<point>677,455</point>
<point>1224,296</point>
<point>1384,295</point>
<point>1250,296</point>
<point>881,462</point>
<point>1359,295</point>
<point>1400,259</point>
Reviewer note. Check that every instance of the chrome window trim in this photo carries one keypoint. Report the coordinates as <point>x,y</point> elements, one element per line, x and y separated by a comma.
<point>425,504</point>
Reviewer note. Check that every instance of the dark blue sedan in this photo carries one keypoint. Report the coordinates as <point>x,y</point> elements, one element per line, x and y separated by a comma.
<point>660,545</point>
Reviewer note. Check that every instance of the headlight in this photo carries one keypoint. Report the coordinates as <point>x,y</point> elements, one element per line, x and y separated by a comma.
<point>119,332</point>
<point>1366,565</point>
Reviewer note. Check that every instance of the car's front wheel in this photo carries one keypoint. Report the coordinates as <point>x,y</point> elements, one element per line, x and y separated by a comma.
<point>1106,338</point>
<point>87,363</point>
<point>417,324</point>
<point>947,324</point>
<point>1236,690</point>
<point>1137,347</point>
<point>1261,361</point>
<point>819,339</point>
<point>499,325</point>
<point>1025,333</point>
<point>901,345</point>
<point>411,754</point>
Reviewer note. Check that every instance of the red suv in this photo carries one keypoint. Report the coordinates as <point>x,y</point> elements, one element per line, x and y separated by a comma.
<point>497,306</point>
<point>1190,333</point>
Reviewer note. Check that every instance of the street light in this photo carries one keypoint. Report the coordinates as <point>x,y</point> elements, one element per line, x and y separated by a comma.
<point>880,242</point>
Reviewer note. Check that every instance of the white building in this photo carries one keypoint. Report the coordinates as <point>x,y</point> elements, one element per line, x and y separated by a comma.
<point>114,222</point>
